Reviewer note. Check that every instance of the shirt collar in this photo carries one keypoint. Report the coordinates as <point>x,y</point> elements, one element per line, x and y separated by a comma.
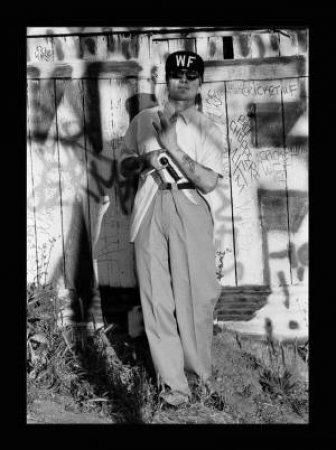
<point>187,114</point>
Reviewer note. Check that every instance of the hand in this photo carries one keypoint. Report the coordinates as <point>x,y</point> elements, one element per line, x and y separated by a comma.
<point>167,133</point>
<point>131,166</point>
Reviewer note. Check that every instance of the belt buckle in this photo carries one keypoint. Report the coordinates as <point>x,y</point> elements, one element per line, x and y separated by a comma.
<point>174,187</point>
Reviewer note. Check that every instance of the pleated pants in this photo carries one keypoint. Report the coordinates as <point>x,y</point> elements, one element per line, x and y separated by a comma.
<point>175,262</point>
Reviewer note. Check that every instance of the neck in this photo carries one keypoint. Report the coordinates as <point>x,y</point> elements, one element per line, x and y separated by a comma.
<point>181,105</point>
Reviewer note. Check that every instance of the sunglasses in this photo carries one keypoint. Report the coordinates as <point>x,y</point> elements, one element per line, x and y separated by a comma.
<point>191,75</point>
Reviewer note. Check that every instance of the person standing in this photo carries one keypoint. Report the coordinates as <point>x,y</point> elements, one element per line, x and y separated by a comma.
<point>177,151</point>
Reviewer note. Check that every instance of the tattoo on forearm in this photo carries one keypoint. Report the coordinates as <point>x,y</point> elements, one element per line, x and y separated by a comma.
<point>190,163</point>
<point>201,176</point>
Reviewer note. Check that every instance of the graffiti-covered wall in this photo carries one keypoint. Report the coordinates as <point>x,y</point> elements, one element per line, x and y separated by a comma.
<point>83,88</point>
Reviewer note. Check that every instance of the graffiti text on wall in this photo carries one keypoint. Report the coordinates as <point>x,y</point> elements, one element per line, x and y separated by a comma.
<point>215,105</point>
<point>275,161</point>
<point>44,54</point>
<point>72,172</point>
<point>256,89</point>
<point>244,167</point>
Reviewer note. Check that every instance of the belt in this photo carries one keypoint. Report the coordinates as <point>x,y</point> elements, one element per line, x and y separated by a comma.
<point>177,186</point>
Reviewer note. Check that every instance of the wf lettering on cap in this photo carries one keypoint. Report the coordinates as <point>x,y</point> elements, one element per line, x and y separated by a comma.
<point>181,61</point>
<point>185,60</point>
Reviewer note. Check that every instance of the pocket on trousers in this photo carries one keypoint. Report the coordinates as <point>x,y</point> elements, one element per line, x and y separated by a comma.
<point>192,197</point>
<point>199,211</point>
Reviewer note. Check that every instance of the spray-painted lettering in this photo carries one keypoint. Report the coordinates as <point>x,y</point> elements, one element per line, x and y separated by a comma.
<point>253,88</point>
<point>44,54</point>
<point>244,168</point>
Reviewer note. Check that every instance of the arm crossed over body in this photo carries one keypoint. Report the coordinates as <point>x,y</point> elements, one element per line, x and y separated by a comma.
<point>133,163</point>
<point>204,178</point>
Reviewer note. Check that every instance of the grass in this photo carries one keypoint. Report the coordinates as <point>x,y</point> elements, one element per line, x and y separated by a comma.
<point>110,374</point>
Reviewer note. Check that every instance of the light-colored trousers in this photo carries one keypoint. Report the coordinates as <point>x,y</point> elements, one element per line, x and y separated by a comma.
<point>175,261</point>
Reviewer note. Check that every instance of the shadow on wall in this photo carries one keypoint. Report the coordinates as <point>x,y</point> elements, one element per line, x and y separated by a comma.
<point>274,217</point>
<point>138,102</point>
<point>124,189</point>
<point>79,271</point>
<point>267,124</point>
<point>241,303</point>
<point>79,275</point>
<point>88,300</point>
<point>263,47</point>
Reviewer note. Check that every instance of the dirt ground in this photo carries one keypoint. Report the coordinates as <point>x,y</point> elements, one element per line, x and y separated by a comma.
<point>58,411</point>
<point>244,369</point>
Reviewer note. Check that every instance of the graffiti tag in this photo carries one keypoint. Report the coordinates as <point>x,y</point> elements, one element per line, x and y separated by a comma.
<point>251,88</point>
<point>275,161</point>
<point>44,54</point>
<point>213,98</point>
<point>214,106</point>
<point>245,168</point>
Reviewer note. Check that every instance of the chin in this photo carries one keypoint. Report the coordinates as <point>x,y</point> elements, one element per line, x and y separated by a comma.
<point>183,97</point>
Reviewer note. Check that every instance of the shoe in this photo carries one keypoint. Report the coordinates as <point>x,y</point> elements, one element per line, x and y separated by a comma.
<point>202,387</point>
<point>174,398</point>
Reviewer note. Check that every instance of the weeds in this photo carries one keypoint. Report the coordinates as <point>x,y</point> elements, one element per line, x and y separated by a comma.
<point>98,376</point>
<point>109,373</point>
<point>276,374</point>
<point>276,384</point>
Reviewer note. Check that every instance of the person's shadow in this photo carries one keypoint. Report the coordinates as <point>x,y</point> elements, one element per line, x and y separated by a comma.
<point>138,102</point>
<point>116,366</point>
<point>107,354</point>
<point>121,372</point>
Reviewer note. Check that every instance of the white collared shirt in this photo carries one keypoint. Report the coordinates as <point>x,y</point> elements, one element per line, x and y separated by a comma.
<point>197,136</point>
